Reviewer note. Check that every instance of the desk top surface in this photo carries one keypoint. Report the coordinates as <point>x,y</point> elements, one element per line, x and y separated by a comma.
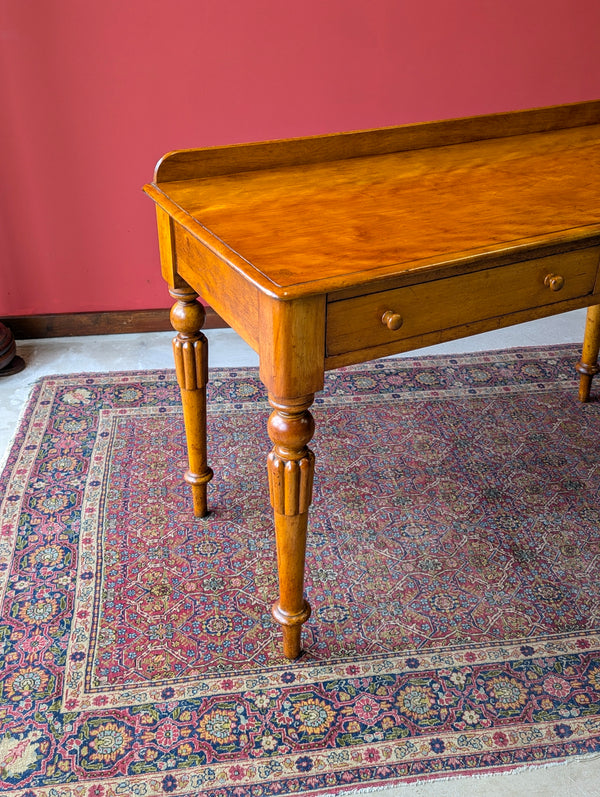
<point>317,227</point>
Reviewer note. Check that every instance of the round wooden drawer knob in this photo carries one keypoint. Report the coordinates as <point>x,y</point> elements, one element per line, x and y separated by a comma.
<point>554,281</point>
<point>391,320</point>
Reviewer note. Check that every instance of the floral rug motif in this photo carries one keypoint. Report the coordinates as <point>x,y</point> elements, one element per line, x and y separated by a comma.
<point>452,568</point>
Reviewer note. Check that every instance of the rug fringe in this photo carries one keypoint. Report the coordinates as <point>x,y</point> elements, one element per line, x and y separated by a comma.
<point>430,788</point>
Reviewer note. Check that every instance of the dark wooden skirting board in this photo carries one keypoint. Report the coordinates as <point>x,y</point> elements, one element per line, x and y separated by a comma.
<point>60,325</point>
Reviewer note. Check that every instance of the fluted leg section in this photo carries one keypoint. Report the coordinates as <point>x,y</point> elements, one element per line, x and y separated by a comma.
<point>588,367</point>
<point>290,467</point>
<point>190,349</point>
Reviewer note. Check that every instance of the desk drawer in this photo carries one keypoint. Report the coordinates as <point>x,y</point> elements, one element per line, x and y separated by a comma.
<point>379,318</point>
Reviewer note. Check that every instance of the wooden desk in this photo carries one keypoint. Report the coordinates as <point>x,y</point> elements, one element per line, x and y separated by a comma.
<point>339,249</point>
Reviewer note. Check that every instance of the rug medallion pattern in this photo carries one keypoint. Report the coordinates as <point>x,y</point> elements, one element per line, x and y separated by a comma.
<point>452,566</point>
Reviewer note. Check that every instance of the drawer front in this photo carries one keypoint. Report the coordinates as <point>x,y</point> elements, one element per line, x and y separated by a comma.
<point>379,318</point>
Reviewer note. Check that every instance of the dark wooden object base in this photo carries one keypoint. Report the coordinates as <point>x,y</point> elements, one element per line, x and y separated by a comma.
<point>10,363</point>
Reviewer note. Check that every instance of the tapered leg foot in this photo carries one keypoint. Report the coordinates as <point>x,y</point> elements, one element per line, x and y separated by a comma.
<point>292,642</point>
<point>291,467</point>
<point>588,366</point>
<point>190,349</point>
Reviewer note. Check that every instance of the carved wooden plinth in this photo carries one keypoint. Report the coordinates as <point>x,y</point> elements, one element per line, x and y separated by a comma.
<point>10,363</point>
<point>190,349</point>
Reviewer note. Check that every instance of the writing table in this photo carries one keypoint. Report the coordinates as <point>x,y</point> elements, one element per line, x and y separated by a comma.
<point>338,249</point>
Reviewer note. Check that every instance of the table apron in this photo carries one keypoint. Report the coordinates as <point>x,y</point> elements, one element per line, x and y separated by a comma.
<point>488,298</point>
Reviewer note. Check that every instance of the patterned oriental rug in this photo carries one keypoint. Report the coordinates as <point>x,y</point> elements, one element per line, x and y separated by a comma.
<point>452,567</point>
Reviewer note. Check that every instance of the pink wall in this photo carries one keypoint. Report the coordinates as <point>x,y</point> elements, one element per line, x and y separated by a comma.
<point>93,92</point>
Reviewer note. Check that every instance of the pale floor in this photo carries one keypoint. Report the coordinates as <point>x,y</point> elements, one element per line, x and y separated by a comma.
<point>575,778</point>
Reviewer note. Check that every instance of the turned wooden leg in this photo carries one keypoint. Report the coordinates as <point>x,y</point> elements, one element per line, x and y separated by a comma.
<point>190,349</point>
<point>291,466</point>
<point>587,367</point>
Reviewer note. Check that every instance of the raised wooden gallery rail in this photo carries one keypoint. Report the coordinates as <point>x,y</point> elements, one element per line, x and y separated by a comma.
<point>338,249</point>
